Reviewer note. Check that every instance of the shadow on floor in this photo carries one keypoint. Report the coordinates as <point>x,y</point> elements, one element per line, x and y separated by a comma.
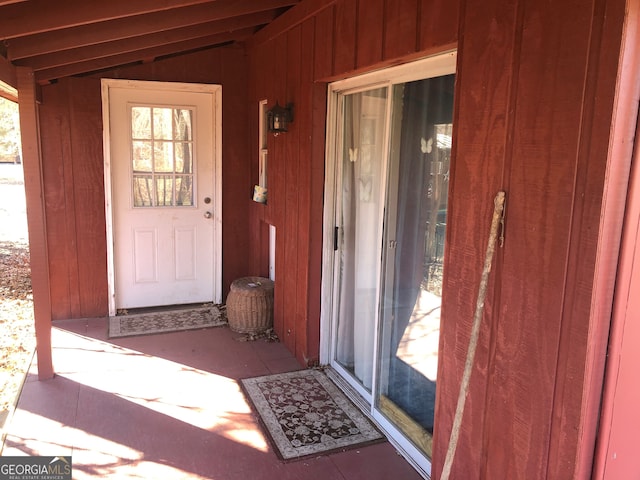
<point>167,406</point>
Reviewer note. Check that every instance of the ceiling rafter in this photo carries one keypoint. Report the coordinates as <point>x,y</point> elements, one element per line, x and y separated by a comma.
<point>56,39</point>
<point>47,15</point>
<point>118,47</point>
<point>137,25</point>
<point>45,76</point>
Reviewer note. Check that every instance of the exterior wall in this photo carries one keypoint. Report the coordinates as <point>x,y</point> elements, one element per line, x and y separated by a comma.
<point>617,455</point>
<point>72,170</point>
<point>535,96</point>
<point>71,130</point>
<point>322,41</point>
<point>535,104</point>
<point>620,418</point>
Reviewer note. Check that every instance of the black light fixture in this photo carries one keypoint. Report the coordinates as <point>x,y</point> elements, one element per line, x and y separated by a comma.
<point>279,118</point>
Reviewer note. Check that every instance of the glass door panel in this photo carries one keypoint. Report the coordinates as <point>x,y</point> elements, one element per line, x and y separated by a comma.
<point>388,152</point>
<point>359,218</point>
<point>414,233</point>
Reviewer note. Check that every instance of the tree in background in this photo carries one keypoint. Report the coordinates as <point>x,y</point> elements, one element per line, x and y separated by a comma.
<point>9,131</point>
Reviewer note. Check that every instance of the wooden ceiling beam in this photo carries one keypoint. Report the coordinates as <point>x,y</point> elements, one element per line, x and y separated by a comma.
<point>75,37</point>
<point>7,73</point>
<point>36,16</point>
<point>44,76</point>
<point>109,49</point>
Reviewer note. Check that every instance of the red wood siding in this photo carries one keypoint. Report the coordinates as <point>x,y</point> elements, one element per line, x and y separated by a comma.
<point>71,120</point>
<point>323,43</point>
<point>71,124</point>
<point>369,47</point>
<point>602,175</point>
<point>619,423</point>
<point>534,104</point>
<point>344,36</point>
<point>401,23</point>
<point>340,37</point>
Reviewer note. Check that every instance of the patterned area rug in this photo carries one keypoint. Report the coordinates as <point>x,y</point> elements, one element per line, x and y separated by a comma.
<point>306,414</point>
<point>166,321</point>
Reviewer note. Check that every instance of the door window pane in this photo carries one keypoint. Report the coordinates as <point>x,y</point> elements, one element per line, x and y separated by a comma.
<point>163,157</point>
<point>143,190</point>
<point>162,150</point>
<point>360,219</point>
<point>184,157</point>
<point>184,190</point>
<point>415,223</point>
<point>163,123</point>
<point>164,189</point>
<point>142,156</point>
<point>141,122</point>
<point>182,119</point>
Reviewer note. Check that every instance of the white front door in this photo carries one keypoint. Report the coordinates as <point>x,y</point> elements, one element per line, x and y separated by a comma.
<point>162,179</point>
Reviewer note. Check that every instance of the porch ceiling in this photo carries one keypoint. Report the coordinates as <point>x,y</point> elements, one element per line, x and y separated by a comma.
<point>75,37</point>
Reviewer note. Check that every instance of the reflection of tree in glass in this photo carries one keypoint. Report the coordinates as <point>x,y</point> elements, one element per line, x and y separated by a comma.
<point>141,153</point>
<point>162,156</point>
<point>141,123</point>
<point>438,169</point>
<point>162,125</point>
<point>142,191</point>
<point>183,132</point>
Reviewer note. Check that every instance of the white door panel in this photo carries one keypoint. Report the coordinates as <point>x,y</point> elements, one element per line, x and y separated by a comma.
<point>145,255</point>
<point>164,206</point>
<point>185,252</point>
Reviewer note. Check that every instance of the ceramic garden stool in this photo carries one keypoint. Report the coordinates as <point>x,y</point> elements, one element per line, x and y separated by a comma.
<point>250,305</point>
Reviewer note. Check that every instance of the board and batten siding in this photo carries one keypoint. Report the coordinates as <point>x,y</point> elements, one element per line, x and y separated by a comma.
<point>73,171</point>
<point>535,104</point>
<point>535,96</point>
<point>291,61</point>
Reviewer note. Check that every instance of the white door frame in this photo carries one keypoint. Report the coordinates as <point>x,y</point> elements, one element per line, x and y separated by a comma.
<point>216,92</point>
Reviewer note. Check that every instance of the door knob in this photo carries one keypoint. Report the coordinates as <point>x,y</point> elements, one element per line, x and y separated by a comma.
<point>207,214</point>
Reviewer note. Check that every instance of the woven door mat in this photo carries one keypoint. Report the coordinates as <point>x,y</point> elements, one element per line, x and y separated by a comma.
<point>165,321</point>
<point>306,414</point>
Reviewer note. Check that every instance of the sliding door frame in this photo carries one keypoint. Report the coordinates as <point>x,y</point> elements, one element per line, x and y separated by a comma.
<point>435,66</point>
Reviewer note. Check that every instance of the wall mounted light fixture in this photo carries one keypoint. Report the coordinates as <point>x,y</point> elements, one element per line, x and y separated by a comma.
<point>279,118</point>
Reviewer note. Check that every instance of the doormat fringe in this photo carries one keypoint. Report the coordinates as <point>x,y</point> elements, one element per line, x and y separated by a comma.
<point>165,321</point>
<point>305,414</point>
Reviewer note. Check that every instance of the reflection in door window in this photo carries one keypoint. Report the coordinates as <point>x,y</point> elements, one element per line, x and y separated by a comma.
<point>162,156</point>
<point>415,222</point>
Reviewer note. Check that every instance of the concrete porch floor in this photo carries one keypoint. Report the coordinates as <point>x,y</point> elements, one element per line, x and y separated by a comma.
<point>167,406</point>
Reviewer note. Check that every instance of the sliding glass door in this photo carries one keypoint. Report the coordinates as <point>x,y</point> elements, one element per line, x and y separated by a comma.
<point>359,215</point>
<point>389,178</point>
